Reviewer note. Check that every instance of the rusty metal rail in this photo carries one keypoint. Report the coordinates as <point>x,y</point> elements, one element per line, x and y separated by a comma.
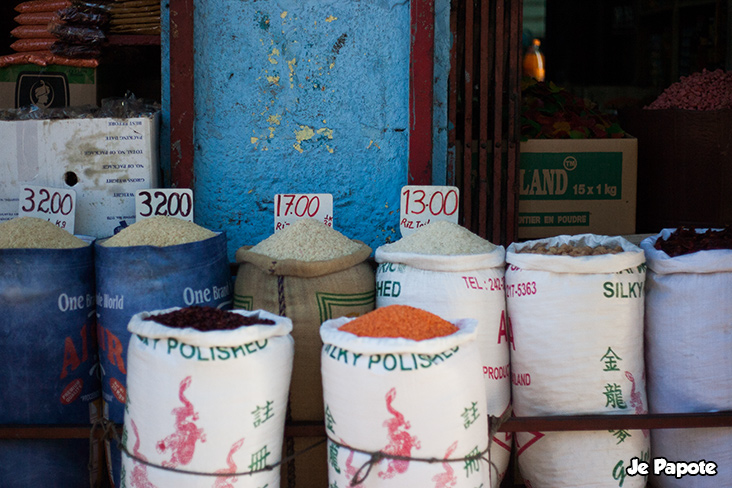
<point>514,424</point>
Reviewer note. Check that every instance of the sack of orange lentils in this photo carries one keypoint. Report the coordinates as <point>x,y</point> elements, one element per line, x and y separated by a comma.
<point>404,401</point>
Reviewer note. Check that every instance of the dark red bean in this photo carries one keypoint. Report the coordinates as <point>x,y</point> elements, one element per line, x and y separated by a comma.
<point>686,241</point>
<point>207,319</point>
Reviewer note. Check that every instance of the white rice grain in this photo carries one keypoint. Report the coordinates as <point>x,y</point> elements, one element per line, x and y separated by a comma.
<point>159,231</point>
<point>441,238</point>
<point>307,240</point>
<point>35,233</point>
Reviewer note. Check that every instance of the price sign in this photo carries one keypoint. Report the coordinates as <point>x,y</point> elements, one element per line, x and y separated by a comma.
<point>291,207</point>
<point>173,202</point>
<point>421,205</point>
<point>55,205</point>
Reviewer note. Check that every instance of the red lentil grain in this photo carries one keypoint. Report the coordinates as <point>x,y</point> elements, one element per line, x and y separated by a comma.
<point>400,321</point>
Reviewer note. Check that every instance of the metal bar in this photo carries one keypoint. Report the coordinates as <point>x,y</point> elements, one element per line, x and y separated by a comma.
<point>467,193</point>
<point>513,125</point>
<point>421,87</point>
<point>498,142</point>
<point>484,128</point>
<point>514,424</point>
<point>182,109</point>
<point>612,422</point>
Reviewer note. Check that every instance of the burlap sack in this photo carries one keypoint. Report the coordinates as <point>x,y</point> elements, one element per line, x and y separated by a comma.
<point>308,293</point>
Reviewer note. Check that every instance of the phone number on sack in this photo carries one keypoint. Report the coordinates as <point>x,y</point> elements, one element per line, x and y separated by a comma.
<point>521,289</point>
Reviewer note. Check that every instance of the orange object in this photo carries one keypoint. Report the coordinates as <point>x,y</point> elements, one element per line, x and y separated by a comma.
<point>27,45</point>
<point>31,32</point>
<point>534,62</point>
<point>36,18</point>
<point>400,321</point>
<point>42,6</point>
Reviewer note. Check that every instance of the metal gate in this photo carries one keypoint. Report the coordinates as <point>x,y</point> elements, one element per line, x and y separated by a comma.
<point>484,104</point>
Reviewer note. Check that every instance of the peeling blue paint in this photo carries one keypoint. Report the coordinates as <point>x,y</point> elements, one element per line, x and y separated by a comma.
<point>315,102</point>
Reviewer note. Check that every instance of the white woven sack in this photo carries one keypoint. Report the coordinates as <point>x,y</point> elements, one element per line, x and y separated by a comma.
<point>688,343</point>
<point>417,399</point>
<point>577,329</point>
<point>454,287</point>
<point>591,459</point>
<point>693,445</point>
<point>206,402</point>
<point>578,333</point>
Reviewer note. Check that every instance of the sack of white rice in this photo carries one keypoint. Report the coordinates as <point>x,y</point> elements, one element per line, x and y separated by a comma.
<point>405,401</point>
<point>48,373</point>
<point>449,271</point>
<point>156,263</point>
<point>688,343</point>
<point>576,309</point>
<point>207,394</point>
<point>310,273</point>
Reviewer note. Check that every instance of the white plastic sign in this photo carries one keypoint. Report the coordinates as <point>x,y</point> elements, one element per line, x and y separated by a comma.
<point>173,202</point>
<point>421,205</point>
<point>291,207</point>
<point>55,205</point>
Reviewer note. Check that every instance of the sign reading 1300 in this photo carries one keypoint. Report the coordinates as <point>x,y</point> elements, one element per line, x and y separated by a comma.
<point>421,205</point>
<point>171,202</point>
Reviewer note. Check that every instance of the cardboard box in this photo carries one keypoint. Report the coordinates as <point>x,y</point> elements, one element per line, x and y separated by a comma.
<point>105,160</point>
<point>577,186</point>
<point>684,167</point>
<point>47,86</point>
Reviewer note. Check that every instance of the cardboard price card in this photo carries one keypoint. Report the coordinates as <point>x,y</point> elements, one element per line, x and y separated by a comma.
<point>291,207</point>
<point>55,205</point>
<point>421,205</point>
<point>173,202</point>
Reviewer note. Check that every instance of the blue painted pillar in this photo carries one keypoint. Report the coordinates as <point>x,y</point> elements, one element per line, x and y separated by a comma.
<point>304,97</point>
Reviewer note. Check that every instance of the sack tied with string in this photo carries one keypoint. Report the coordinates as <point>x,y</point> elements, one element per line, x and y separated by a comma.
<point>411,399</point>
<point>210,402</point>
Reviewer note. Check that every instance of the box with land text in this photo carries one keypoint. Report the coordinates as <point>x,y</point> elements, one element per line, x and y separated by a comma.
<point>577,186</point>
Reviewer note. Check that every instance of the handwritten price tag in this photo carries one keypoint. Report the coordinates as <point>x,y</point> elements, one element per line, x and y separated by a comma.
<point>291,207</point>
<point>173,202</point>
<point>55,205</point>
<point>421,205</point>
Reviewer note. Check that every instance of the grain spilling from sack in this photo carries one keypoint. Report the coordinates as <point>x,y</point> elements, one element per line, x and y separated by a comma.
<point>159,231</point>
<point>307,240</point>
<point>34,233</point>
<point>443,238</point>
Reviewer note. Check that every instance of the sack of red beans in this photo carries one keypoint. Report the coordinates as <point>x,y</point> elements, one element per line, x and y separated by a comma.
<point>688,322</point>
<point>207,394</point>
